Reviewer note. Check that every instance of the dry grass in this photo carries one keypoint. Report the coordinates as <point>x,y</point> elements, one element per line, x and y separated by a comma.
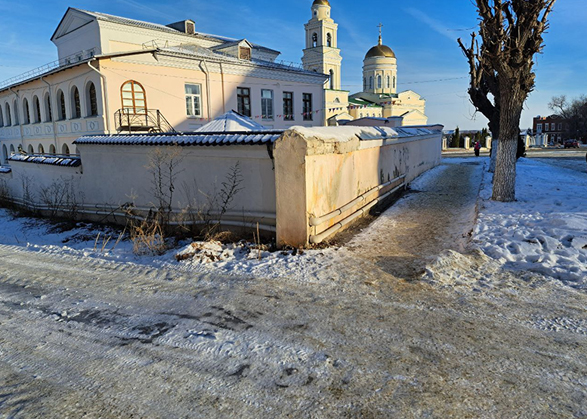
<point>148,237</point>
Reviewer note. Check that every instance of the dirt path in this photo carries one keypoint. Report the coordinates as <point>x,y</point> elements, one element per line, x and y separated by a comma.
<point>425,223</point>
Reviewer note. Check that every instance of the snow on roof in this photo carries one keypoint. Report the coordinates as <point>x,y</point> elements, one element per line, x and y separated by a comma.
<point>52,160</point>
<point>349,132</point>
<point>195,139</point>
<point>231,122</point>
<point>158,27</point>
<point>198,51</point>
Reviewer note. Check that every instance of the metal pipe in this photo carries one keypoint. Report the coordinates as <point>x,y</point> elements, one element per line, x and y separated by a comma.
<point>104,95</point>
<point>318,238</point>
<point>51,114</point>
<point>35,206</point>
<point>207,73</point>
<point>315,221</point>
<point>222,85</point>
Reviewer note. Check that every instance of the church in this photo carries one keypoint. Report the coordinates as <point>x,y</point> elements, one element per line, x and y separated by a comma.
<point>379,97</point>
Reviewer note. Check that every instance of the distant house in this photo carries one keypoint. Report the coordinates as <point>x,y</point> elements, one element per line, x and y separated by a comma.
<point>550,129</point>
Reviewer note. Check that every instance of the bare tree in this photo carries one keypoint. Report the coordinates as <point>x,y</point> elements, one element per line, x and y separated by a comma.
<point>483,83</point>
<point>573,115</point>
<point>511,34</point>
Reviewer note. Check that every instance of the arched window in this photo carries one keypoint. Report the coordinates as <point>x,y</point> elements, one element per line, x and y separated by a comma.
<point>379,82</point>
<point>30,149</point>
<point>1,118</point>
<point>15,107</point>
<point>328,40</point>
<point>61,106</point>
<point>65,150</point>
<point>92,99</point>
<point>134,100</point>
<point>26,116</point>
<point>51,149</point>
<point>388,82</point>
<point>364,83</point>
<point>370,82</point>
<point>11,149</point>
<point>36,109</point>
<point>41,149</point>
<point>331,79</point>
<point>8,117</point>
<point>314,40</point>
<point>4,154</point>
<point>394,82</point>
<point>76,107</point>
<point>48,113</point>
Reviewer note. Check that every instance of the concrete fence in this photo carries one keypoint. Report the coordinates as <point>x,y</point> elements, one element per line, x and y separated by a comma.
<point>301,185</point>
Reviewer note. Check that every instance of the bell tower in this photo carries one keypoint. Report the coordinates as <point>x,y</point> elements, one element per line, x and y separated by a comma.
<point>321,53</point>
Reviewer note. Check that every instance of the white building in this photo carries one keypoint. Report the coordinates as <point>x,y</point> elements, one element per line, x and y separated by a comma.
<point>116,74</point>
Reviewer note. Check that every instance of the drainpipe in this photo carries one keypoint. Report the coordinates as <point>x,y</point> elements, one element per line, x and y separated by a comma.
<point>222,84</point>
<point>207,73</point>
<point>104,95</point>
<point>51,116</point>
<point>17,117</point>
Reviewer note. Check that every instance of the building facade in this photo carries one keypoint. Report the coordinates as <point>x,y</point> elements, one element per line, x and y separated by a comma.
<point>550,129</point>
<point>379,96</point>
<point>118,75</point>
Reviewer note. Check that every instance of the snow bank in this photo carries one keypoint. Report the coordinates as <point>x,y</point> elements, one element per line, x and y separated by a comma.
<point>545,230</point>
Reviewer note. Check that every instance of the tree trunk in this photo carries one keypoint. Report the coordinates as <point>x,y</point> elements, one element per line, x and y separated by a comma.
<point>494,147</point>
<point>504,179</point>
<point>494,129</point>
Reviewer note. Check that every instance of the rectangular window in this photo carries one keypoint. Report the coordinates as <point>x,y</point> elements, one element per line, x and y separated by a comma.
<point>560,126</point>
<point>267,104</point>
<point>288,108</point>
<point>546,126</point>
<point>538,128</point>
<point>307,99</point>
<point>243,97</point>
<point>244,53</point>
<point>193,99</point>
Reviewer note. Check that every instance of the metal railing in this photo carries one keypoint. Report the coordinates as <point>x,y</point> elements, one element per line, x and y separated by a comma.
<point>63,62</point>
<point>144,120</point>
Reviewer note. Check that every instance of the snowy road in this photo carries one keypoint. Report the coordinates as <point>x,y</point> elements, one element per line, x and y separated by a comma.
<point>85,337</point>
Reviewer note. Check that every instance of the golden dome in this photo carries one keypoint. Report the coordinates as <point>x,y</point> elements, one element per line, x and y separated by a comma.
<point>321,3</point>
<point>380,51</point>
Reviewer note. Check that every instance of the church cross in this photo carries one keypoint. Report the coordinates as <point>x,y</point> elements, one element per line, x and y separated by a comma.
<point>380,26</point>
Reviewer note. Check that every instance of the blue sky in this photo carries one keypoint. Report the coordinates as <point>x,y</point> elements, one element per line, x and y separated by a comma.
<point>422,33</point>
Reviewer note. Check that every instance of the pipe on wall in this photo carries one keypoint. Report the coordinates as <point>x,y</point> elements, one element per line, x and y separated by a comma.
<point>318,238</point>
<point>204,68</point>
<point>16,114</point>
<point>316,221</point>
<point>51,114</point>
<point>104,95</point>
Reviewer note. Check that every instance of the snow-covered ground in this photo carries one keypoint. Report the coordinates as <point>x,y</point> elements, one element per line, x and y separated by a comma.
<point>544,231</point>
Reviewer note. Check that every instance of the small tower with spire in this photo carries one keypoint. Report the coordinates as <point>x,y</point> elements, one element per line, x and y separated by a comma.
<point>321,53</point>
<point>380,69</point>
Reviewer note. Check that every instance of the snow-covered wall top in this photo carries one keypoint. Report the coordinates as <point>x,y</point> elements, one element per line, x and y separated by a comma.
<point>208,139</point>
<point>52,160</point>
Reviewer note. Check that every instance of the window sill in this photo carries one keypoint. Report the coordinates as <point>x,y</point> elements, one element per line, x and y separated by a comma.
<point>194,117</point>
